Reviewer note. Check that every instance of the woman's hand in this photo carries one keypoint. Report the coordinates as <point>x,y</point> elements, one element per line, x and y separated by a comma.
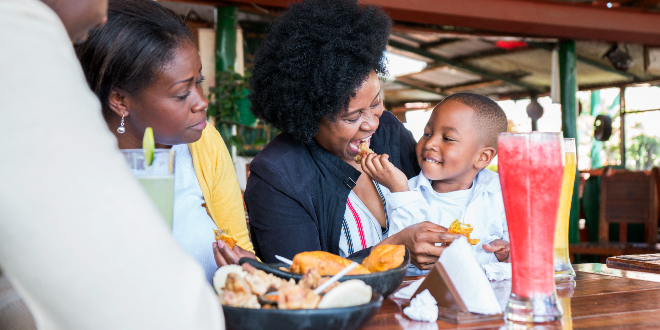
<point>381,170</point>
<point>501,249</point>
<point>420,239</point>
<point>225,256</point>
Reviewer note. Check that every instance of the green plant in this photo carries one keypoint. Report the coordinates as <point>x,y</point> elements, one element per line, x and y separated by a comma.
<point>227,97</point>
<point>229,107</point>
<point>645,151</point>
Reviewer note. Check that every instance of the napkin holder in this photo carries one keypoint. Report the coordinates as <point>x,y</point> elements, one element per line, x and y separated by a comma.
<point>451,307</point>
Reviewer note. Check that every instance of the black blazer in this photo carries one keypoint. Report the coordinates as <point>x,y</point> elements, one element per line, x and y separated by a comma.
<point>296,193</point>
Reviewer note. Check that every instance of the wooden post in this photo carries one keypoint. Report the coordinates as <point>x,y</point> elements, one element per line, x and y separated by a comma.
<point>568,90</point>
<point>622,129</point>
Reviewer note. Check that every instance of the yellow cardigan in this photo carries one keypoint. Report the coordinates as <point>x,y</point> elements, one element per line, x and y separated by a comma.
<point>217,178</point>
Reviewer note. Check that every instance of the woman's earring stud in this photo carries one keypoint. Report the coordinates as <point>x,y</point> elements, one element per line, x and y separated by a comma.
<point>121,129</point>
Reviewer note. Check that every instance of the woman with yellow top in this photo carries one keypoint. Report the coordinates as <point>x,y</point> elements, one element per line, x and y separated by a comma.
<point>146,71</point>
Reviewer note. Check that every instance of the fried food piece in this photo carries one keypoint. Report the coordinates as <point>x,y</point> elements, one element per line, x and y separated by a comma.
<point>384,257</point>
<point>464,229</point>
<point>327,264</point>
<point>225,237</point>
<point>363,150</point>
<point>237,284</point>
<point>261,282</point>
<point>313,280</point>
<point>231,298</point>
<point>292,296</point>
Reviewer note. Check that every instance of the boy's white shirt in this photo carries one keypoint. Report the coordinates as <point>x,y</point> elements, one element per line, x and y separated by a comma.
<point>484,211</point>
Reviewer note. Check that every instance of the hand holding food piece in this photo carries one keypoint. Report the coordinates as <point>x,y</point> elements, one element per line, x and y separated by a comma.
<point>363,150</point>
<point>463,229</point>
<point>381,170</point>
<point>384,257</point>
<point>225,237</point>
<point>229,256</point>
<point>421,240</point>
<point>327,264</point>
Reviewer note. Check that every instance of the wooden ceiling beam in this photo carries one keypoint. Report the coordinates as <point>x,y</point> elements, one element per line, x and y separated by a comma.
<point>535,18</point>
<point>464,66</point>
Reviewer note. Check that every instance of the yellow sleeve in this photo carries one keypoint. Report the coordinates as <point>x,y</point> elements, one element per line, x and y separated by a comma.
<point>217,178</point>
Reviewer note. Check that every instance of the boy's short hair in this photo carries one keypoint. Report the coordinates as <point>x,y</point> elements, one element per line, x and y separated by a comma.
<point>489,117</point>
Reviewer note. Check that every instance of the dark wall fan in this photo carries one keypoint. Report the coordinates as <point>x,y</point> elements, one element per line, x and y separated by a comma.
<point>603,128</point>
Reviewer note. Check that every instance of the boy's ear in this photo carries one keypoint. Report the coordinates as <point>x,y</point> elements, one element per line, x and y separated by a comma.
<point>485,157</point>
<point>117,102</point>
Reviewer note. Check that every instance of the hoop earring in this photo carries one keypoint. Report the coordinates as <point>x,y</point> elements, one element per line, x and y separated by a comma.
<point>121,129</point>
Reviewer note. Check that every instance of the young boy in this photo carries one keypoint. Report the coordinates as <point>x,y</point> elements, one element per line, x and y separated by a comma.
<point>459,141</point>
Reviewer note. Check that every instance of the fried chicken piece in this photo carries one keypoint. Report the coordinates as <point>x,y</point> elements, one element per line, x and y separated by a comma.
<point>231,298</point>
<point>384,257</point>
<point>297,297</point>
<point>312,280</point>
<point>261,282</point>
<point>327,264</point>
<point>363,150</point>
<point>464,229</point>
<point>237,284</point>
<point>225,237</point>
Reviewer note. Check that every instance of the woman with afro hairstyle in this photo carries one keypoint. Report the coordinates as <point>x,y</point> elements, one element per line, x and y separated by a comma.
<point>316,78</point>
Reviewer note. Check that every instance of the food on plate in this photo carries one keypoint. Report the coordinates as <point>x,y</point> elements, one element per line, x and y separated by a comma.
<point>384,257</point>
<point>464,229</point>
<point>363,150</point>
<point>349,293</point>
<point>220,276</point>
<point>312,280</point>
<point>225,237</point>
<point>294,296</point>
<point>248,287</point>
<point>327,264</point>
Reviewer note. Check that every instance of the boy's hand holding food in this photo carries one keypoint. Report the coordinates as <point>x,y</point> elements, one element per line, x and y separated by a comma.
<point>381,170</point>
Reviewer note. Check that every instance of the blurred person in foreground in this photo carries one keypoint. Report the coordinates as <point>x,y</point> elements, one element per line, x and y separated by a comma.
<point>79,240</point>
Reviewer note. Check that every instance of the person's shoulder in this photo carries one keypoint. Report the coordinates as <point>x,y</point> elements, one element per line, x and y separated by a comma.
<point>389,119</point>
<point>283,148</point>
<point>284,161</point>
<point>490,180</point>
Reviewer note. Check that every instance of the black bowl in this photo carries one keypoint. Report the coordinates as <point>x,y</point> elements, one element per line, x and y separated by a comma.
<point>344,318</point>
<point>382,282</point>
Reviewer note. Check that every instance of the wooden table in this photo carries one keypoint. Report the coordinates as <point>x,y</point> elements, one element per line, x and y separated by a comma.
<point>603,298</point>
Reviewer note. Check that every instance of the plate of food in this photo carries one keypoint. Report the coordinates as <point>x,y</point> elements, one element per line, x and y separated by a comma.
<point>254,299</point>
<point>382,267</point>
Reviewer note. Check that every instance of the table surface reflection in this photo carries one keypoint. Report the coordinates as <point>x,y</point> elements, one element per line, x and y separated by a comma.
<point>602,298</point>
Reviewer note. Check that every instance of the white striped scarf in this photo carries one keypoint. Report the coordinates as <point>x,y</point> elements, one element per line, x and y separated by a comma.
<point>360,229</point>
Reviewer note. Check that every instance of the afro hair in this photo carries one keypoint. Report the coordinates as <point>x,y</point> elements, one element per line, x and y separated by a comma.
<point>312,61</point>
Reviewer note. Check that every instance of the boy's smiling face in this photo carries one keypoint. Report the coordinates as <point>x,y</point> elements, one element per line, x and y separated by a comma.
<point>450,150</point>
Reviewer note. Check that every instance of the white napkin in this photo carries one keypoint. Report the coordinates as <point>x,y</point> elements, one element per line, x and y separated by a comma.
<point>468,278</point>
<point>409,291</point>
<point>497,271</point>
<point>422,308</point>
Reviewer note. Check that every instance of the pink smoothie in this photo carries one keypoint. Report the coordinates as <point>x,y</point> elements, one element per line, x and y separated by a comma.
<point>531,167</point>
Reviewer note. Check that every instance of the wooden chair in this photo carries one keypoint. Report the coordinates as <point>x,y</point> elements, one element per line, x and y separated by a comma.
<point>625,197</point>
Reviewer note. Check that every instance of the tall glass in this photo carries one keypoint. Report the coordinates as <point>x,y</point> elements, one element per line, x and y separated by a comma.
<point>157,179</point>
<point>531,166</point>
<point>563,269</point>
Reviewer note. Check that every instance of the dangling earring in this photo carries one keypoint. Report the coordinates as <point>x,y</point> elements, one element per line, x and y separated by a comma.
<point>121,129</point>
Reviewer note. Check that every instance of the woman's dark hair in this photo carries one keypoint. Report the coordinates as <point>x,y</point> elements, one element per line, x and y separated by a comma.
<point>312,61</point>
<point>132,48</point>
